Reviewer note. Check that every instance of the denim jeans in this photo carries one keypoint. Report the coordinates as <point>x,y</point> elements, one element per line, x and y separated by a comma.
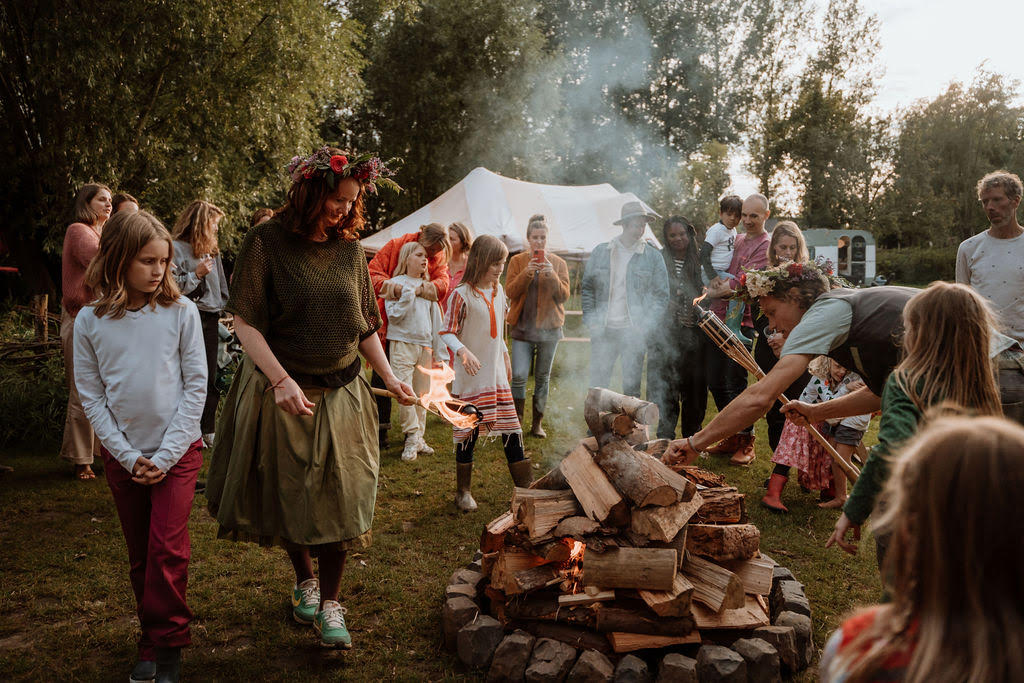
<point>522,353</point>
<point>608,346</point>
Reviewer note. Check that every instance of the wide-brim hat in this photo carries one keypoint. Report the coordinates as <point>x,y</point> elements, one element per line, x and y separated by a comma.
<point>635,210</point>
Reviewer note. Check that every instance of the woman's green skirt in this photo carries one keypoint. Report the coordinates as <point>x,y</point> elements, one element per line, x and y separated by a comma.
<point>289,480</point>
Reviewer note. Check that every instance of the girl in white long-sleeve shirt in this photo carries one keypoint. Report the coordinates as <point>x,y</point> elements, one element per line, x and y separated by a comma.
<point>414,325</point>
<point>141,372</point>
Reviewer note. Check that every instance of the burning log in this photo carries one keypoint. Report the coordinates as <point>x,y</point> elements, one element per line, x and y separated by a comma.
<point>670,603</point>
<point>664,523</point>
<point>714,586</point>
<point>510,562</point>
<point>723,541</point>
<point>555,552</point>
<point>722,505</point>
<point>493,537</point>
<point>636,475</point>
<point>649,568</point>
<point>598,498</point>
<point>535,578</point>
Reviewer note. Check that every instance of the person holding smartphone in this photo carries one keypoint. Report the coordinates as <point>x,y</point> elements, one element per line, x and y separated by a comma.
<point>537,286</point>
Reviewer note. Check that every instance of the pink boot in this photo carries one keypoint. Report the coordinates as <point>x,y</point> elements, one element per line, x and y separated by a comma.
<point>773,499</point>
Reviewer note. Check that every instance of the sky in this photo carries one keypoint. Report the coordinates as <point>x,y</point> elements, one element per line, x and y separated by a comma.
<point>926,44</point>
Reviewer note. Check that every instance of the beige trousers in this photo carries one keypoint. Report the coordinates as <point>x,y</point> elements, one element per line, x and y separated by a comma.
<point>404,359</point>
<point>80,444</point>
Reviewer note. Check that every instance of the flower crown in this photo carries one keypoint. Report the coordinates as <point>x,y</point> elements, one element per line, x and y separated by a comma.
<point>366,168</point>
<point>778,279</point>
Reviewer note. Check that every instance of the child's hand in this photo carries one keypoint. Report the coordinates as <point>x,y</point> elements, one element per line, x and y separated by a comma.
<point>390,290</point>
<point>289,398</point>
<point>146,473</point>
<point>427,291</point>
<point>469,361</point>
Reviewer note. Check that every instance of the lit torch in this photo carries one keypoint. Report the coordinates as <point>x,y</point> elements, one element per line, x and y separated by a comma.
<point>726,340</point>
<point>438,401</point>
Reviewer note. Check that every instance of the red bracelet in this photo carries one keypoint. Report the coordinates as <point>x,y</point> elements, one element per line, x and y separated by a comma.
<point>276,384</point>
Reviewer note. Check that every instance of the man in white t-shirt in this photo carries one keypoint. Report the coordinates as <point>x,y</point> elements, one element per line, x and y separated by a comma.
<point>992,262</point>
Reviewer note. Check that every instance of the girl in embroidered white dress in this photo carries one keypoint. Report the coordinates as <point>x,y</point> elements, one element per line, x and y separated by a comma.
<point>474,329</point>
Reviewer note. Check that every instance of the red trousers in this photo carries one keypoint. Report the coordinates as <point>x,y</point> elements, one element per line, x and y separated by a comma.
<point>154,520</point>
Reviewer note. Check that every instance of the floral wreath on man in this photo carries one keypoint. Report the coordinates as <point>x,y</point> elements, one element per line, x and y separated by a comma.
<point>778,280</point>
<point>367,168</point>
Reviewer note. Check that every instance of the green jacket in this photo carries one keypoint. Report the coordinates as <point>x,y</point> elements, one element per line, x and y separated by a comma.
<point>900,418</point>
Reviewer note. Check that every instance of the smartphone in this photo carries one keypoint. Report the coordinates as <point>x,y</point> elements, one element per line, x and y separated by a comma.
<point>538,254</point>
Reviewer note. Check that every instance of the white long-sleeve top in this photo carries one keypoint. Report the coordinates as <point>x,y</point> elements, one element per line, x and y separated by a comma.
<point>412,318</point>
<point>142,380</point>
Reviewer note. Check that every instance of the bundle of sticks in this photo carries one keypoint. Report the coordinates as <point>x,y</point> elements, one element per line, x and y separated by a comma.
<point>726,340</point>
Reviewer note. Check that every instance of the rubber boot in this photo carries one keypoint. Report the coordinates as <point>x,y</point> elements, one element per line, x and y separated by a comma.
<point>168,664</point>
<point>520,407</point>
<point>744,455</point>
<point>538,430</point>
<point>463,478</point>
<point>522,474</point>
<point>726,446</point>
<point>382,438</point>
<point>773,499</point>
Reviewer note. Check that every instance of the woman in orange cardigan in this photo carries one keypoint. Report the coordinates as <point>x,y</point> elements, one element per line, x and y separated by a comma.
<point>537,286</point>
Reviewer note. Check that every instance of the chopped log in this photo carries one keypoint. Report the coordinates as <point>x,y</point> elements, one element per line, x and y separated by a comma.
<point>633,473</point>
<point>714,586</point>
<point>590,442</point>
<point>670,603</point>
<point>636,620</point>
<point>596,495</point>
<point>583,599</point>
<point>649,568</point>
<point>577,527</point>
<point>541,605</point>
<point>535,578</point>
<point>498,602</point>
<point>520,494</point>
<point>722,505</point>
<point>552,481</point>
<point>493,537</point>
<point>755,573</point>
<point>683,486</point>
<point>678,544</point>
<point>510,562</point>
<point>629,642</point>
<point>639,435</point>
<point>541,515</point>
<point>487,563</point>
<point>578,637</point>
<point>655,448</point>
<point>749,616</point>
<point>664,523</point>
<point>618,424</point>
<point>699,476</point>
<point>723,541</point>
<point>555,552</point>
<point>604,400</point>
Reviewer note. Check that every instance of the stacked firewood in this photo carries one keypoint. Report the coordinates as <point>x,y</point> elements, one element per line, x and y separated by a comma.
<point>615,551</point>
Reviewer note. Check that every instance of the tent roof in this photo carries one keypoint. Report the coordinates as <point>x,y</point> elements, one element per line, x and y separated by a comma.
<point>578,217</point>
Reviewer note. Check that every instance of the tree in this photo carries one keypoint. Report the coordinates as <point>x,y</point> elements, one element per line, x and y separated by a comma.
<point>169,101</point>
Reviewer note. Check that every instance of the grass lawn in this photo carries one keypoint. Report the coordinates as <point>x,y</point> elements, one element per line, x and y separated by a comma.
<point>66,610</point>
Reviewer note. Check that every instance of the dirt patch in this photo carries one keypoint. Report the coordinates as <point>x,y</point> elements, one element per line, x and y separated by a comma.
<point>18,641</point>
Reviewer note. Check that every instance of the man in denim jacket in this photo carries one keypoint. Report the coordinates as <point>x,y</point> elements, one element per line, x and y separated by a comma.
<point>624,293</point>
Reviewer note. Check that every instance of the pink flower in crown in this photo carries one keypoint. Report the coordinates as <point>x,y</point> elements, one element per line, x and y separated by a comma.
<point>309,172</point>
<point>338,163</point>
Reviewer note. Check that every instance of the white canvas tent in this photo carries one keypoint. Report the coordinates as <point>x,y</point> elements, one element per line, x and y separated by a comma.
<point>578,218</point>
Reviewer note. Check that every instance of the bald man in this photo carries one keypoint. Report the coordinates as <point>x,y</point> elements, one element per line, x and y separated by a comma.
<point>727,378</point>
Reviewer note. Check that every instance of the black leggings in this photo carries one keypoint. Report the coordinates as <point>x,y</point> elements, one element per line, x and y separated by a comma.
<point>513,444</point>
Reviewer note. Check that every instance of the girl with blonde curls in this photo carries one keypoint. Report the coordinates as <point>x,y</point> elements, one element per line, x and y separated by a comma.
<point>140,371</point>
<point>957,602</point>
<point>200,275</point>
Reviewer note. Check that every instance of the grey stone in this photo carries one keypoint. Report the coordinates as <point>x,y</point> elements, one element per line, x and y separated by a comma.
<point>783,639</point>
<point>511,658</point>
<point>478,640</point>
<point>780,573</point>
<point>475,566</point>
<point>467,576</point>
<point>717,664</point>
<point>460,589</point>
<point>801,624</point>
<point>591,667</point>
<point>677,668</point>
<point>788,596</point>
<point>457,612</point>
<point>761,658</point>
<point>632,669</point>
<point>551,661</point>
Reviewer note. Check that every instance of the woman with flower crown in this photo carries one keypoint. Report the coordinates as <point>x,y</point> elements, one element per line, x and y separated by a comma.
<point>295,460</point>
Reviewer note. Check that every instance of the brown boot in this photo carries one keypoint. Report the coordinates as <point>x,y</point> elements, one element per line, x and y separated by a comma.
<point>522,473</point>
<point>744,455</point>
<point>520,407</point>
<point>538,430</point>
<point>463,478</point>
<point>726,446</point>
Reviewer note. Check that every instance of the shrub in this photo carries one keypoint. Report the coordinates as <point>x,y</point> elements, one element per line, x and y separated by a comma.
<point>917,265</point>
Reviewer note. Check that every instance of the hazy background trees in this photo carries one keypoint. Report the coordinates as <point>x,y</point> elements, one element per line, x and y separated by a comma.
<point>175,100</point>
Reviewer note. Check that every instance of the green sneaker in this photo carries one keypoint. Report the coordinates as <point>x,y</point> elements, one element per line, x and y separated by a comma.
<point>330,624</point>
<point>305,600</point>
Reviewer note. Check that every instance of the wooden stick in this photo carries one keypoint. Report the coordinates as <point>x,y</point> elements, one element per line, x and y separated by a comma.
<point>726,340</point>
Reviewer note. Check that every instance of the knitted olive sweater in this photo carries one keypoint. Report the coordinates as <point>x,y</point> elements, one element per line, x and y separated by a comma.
<point>312,301</point>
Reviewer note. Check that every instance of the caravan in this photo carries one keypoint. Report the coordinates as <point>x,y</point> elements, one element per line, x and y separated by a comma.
<point>852,252</point>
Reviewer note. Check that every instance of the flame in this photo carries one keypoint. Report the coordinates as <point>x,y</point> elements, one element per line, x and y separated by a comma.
<point>703,294</point>
<point>573,571</point>
<point>437,397</point>
<point>576,551</point>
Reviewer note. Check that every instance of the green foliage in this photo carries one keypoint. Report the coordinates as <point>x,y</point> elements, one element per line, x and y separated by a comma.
<point>32,397</point>
<point>916,265</point>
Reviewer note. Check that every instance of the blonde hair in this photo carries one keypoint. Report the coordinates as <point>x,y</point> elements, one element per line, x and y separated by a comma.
<point>954,563</point>
<point>1009,182</point>
<point>788,229</point>
<point>947,331</point>
<point>821,367</point>
<point>83,211</point>
<point>195,226</point>
<point>486,251</point>
<point>124,236</point>
<point>465,236</point>
<point>536,222</point>
<point>403,259</point>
